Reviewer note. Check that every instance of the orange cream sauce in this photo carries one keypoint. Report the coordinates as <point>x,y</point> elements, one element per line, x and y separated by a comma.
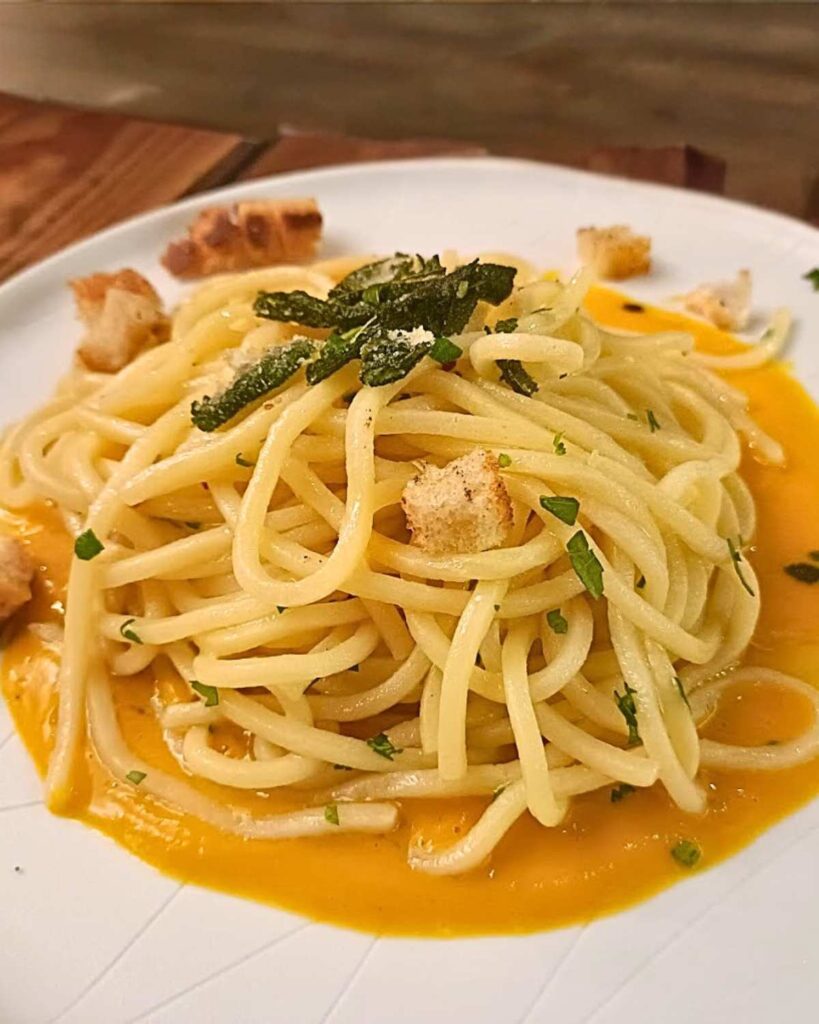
<point>602,858</point>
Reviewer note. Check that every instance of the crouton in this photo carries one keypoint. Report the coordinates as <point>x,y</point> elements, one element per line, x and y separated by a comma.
<point>727,304</point>
<point>122,315</point>
<point>253,234</point>
<point>614,253</point>
<point>16,571</point>
<point>459,509</point>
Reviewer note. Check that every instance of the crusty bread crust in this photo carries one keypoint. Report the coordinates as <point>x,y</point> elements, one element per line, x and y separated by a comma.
<point>460,508</point>
<point>225,239</point>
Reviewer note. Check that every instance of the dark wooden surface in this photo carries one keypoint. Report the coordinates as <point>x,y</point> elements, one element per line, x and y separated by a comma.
<point>554,81</point>
<point>65,173</point>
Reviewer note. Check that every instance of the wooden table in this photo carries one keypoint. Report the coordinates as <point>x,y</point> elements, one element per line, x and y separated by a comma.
<point>65,173</point>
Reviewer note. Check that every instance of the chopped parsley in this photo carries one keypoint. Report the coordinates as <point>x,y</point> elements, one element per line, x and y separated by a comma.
<point>128,633</point>
<point>382,745</point>
<point>272,370</point>
<point>813,277</point>
<point>557,623</point>
<point>563,508</point>
<point>88,546</point>
<point>559,446</point>
<point>618,792</point>
<point>681,690</point>
<point>628,709</point>
<point>586,564</point>
<point>445,351</point>
<point>686,853</point>
<point>135,777</point>
<point>504,461</point>
<point>804,572</point>
<point>652,420</point>
<point>513,374</point>
<point>331,814</point>
<point>209,693</point>
<point>243,462</point>
<point>736,558</point>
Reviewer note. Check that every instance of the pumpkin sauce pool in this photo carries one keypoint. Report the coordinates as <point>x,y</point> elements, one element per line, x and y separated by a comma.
<point>604,856</point>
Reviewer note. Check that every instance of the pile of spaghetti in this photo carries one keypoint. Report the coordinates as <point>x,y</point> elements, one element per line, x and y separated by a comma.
<point>235,497</point>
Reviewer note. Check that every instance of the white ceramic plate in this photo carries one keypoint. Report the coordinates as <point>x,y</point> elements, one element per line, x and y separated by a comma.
<point>90,934</point>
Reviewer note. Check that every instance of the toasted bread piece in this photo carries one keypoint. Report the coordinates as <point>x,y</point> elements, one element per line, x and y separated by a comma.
<point>615,253</point>
<point>16,572</point>
<point>463,507</point>
<point>224,239</point>
<point>727,304</point>
<point>122,314</point>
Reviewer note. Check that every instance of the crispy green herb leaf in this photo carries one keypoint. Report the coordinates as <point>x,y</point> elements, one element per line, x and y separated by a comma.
<point>586,564</point>
<point>557,623</point>
<point>296,307</point>
<point>382,745</point>
<point>804,572</point>
<point>372,276</point>
<point>559,446</point>
<point>513,374</point>
<point>135,777</point>
<point>337,351</point>
<point>565,509</point>
<point>652,420</point>
<point>209,693</point>
<point>128,633</point>
<point>628,709</point>
<point>243,462</point>
<point>389,357</point>
<point>275,367</point>
<point>88,546</point>
<point>508,326</point>
<point>504,460</point>
<point>681,690</point>
<point>618,792</point>
<point>736,558</point>
<point>813,277</point>
<point>331,814</point>
<point>445,351</point>
<point>686,853</point>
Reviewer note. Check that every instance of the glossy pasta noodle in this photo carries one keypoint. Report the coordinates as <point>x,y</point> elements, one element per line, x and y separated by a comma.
<point>269,564</point>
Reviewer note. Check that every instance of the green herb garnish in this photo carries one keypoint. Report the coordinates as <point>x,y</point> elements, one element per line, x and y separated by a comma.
<point>135,777</point>
<point>209,693</point>
<point>369,278</point>
<point>337,351</point>
<point>633,416</point>
<point>586,564</point>
<point>618,792</point>
<point>557,623</point>
<point>243,462</point>
<point>681,690</point>
<point>275,367</point>
<point>391,356</point>
<point>508,326</point>
<point>298,308</point>
<point>382,745</point>
<point>564,509</point>
<point>686,853</point>
<point>445,351</point>
<point>736,558</point>
<point>128,633</point>
<point>628,709</point>
<point>513,374</point>
<point>804,572</point>
<point>331,814</point>
<point>504,460</point>
<point>813,277</point>
<point>559,446</point>
<point>88,546</point>
<point>652,420</point>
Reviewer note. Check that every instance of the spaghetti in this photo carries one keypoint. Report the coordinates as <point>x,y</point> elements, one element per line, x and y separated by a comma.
<point>268,562</point>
